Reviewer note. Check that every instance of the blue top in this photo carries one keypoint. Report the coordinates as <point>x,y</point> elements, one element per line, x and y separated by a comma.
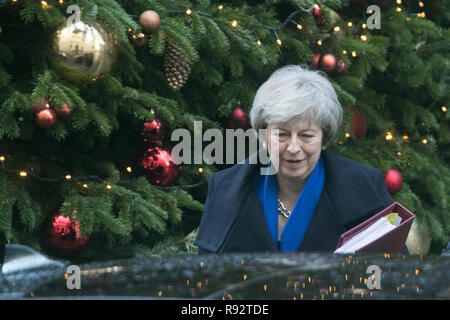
<point>266,187</point>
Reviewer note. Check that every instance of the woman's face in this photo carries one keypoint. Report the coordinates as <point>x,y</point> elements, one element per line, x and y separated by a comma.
<point>299,145</point>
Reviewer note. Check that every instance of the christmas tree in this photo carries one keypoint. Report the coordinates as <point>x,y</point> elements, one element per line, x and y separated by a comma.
<point>91,92</point>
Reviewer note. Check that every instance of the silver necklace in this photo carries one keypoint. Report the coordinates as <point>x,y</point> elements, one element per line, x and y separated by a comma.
<point>282,209</point>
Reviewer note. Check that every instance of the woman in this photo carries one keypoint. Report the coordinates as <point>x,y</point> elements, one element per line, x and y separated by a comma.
<point>315,195</point>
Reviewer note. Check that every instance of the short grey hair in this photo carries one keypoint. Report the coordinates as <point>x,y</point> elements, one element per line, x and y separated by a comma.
<point>294,92</point>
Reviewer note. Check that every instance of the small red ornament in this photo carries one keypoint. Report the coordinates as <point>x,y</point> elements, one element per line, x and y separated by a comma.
<point>153,131</point>
<point>238,120</point>
<point>329,62</point>
<point>318,15</point>
<point>159,167</point>
<point>394,181</point>
<point>46,118</point>
<point>39,106</point>
<point>341,67</point>
<point>359,124</point>
<point>63,111</point>
<point>63,235</point>
<point>315,61</point>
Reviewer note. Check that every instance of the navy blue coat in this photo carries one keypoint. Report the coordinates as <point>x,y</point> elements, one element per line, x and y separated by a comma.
<point>233,219</point>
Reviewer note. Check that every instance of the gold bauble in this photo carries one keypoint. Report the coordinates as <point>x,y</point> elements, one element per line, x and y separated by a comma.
<point>149,21</point>
<point>82,52</point>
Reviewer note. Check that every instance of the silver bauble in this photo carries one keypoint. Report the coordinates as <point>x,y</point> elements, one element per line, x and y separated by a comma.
<point>82,52</point>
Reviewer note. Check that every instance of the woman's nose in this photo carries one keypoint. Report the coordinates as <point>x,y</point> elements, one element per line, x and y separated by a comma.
<point>294,145</point>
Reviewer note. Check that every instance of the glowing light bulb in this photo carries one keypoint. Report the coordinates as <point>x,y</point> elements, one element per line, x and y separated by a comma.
<point>68,177</point>
<point>347,135</point>
<point>188,11</point>
<point>389,136</point>
<point>220,7</point>
<point>108,187</point>
<point>2,158</point>
<point>350,24</point>
<point>200,170</point>
<point>259,43</point>
<point>364,26</point>
<point>23,174</point>
<point>424,141</point>
<point>319,42</point>
<point>85,186</point>
<point>363,37</point>
<point>398,9</point>
<point>234,23</point>
<point>353,54</point>
<point>336,29</point>
<point>344,51</point>
<point>444,109</point>
<point>279,42</point>
<point>129,169</point>
<point>421,4</point>
<point>299,27</point>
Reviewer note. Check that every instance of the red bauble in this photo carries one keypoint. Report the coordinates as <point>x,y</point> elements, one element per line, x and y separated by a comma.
<point>394,181</point>
<point>159,167</point>
<point>329,62</point>
<point>63,111</point>
<point>153,131</point>
<point>39,106</point>
<point>238,120</point>
<point>63,235</point>
<point>46,118</point>
<point>359,124</point>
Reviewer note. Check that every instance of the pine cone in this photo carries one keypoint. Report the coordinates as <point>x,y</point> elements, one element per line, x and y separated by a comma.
<point>177,66</point>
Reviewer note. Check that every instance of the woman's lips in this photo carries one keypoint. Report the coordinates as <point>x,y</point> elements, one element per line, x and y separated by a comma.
<point>293,162</point>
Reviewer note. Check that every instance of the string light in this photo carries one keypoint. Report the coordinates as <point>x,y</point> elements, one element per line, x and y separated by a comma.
<point>399,1</point>
<point>337,29</point>
<point>85,186</point>
<point>444,109</point>
<point>299,27</point>
<point>258,43</point>
<point>319,42</point>
<point>353,54</point>
<point>364,26</point>
<point>347,135</point>
<point>44,4</point>
<point>363,37</point>
<point>279,42</point>
<point>200,170</point>
<point>109,187</point>
<point>421,4</point>
<point>129,169</point>
<point>61,1</point>
<point>350,24</point>
<point>344,51</point>
<point>2,158</point>
<point>424,141</point>
<point>234,24</point>
<point>68,177</point>
<point>398,9</point>
<point>389,136</point>
<point>405,138</point>
<point>188,11</point>
<point>220,7</point>
<point>23,174</point>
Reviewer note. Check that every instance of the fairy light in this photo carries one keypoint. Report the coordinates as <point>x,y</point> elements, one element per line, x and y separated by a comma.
<point>444,109</point>
<point>347,135</point>
<point>363,37</point>
<point>279,42</point>
<point>350,24</point>
<point>2,158</point>
<point>68,177</point>
<point>200,170</point>
<point>405,138</point>
<point>353,54</point>
<point>61,1</point>
<point>299,27</point>
<point>398,9</point>
<point>337,29</point>
<point>421,4</point>
<point>399,1</point>
<point>364,26</point>
<point>399,154</point>
<point>23,174</point>
<point>188,11</point>
<point>424,141</point>
<point>220,7</point>
<point>129,169</point>
<point>344,51</point>
<point>258,43</point>
<point>234,23</point>
<point>319,42</point>
<point>389,136</point>
<point>44,4</point>
<point>85,186</point>
<point>109,187</point>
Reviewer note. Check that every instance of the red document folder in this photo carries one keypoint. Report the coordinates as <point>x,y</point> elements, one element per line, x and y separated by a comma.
<point>391,242</point>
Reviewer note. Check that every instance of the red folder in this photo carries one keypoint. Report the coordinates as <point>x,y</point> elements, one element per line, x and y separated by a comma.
<point>391,242</point>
